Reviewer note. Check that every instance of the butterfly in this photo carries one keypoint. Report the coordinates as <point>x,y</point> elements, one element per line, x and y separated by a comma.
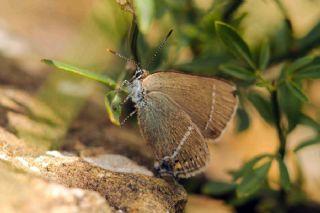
<point>176,113</point>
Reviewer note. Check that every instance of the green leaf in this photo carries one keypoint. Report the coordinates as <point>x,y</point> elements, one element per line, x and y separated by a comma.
<point>243,120</point>
<point>247,167</point>
<point>86,73</point>
<point>310,72</point>
<point>237,72</point>
<point>145,11</point>
<point>253,180</point>
<point>263,83</point>
<point>311,38</point>
<point>282,39</point>
<point>218,188</point>
<point>308,121</point>
<point>296,91</point>
<point>298,64</point>
<point>264,56</point>
<point>112,103</point>
<point>284,174</point>
<point>290,105</point>
<point>263,106</point>
<point>234,43</point>
<point>308,143</point>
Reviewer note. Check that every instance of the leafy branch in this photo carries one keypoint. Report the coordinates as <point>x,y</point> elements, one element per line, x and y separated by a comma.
<point>249,73</point>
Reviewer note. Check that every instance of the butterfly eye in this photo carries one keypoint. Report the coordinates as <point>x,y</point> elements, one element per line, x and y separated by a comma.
<point>138,73</point>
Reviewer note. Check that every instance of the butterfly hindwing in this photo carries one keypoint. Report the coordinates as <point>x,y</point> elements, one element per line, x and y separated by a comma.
<point>177,143</point>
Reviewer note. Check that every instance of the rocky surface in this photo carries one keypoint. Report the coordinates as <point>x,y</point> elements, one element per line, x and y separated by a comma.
<point>83,179</point>
<point>125,185</point>
<point>22,192</point>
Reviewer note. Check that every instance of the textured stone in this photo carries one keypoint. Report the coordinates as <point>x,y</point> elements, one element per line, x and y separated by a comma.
<point>123,191</point>
<point>92,178</point>
<point>20,192</point>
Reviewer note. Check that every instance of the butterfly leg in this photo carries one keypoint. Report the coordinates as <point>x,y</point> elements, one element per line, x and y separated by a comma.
<point>164,167</point>
<point>129,116</point>
<point>125,100</point>
<point>124,83</point>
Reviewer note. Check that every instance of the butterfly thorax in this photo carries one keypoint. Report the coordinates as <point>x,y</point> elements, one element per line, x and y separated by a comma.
<point>136,92</point>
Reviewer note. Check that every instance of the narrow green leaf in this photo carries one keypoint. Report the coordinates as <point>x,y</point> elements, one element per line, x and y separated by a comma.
<point>218,188</point>
<point>253,181</point>
<point>308,121</point>
<point>86,73</point>
<point>237,72</point>
<point>112,103</point>
<point>290,105</point>
<point>284,175</point>
<point>247,167</point>
<point>308,143</point>
<point>298,64</point>
<point>263,106</point>
<point>296,91</point>
<point>243,120</point>
<point>234,43</point>
<point>145,11</point>
<point>283,74</point>
<point>264,56</point>
<point>263,83</point>
<point>311,37</point>
<point>282,39</point>
<point>310,72</point>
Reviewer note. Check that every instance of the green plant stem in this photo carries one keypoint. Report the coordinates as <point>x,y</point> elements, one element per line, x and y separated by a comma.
<point>282,139</point>
<point>278,123</point>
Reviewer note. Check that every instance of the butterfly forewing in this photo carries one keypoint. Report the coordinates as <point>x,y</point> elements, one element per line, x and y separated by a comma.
<point>177,143</point>
<point>209,102</point>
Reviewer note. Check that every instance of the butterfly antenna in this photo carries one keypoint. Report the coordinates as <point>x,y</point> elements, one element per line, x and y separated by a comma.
<point>123,57</point>
<point>159,48</point>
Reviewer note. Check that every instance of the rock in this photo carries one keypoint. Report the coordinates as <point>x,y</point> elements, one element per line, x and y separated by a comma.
<point>30,119</point>
<point>20,192</point>
<point>130,192</point>
<point>117,163</point>
<point>60,181</point>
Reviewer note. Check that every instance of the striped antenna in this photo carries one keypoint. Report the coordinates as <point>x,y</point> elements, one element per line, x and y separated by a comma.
<point>123,57</point>
<point>164,41</point>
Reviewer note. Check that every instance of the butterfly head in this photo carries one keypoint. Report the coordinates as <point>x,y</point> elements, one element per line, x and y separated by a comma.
<point>140,73</point>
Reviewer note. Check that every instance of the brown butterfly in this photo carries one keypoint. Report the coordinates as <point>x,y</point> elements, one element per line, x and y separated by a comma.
<point>176,113</point>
